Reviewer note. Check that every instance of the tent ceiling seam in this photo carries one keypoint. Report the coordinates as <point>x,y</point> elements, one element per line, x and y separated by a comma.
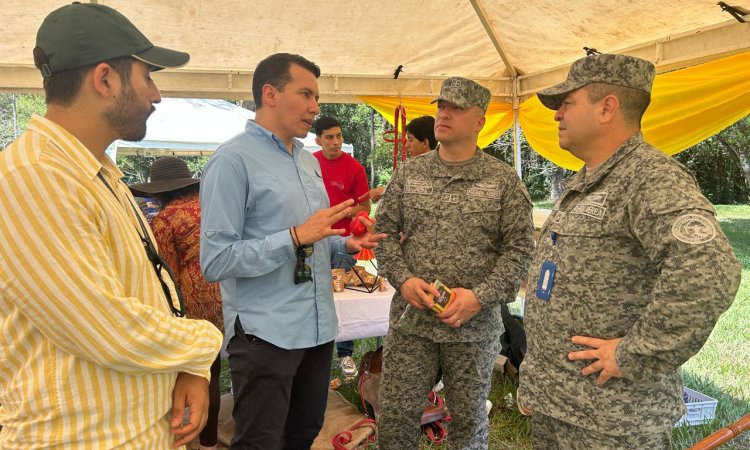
<point>482,14</point>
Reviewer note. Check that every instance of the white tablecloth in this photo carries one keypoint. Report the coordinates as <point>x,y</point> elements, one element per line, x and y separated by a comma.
<point>362,315</point>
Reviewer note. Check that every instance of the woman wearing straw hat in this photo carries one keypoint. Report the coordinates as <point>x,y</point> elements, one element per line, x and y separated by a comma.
<point>177,232</point>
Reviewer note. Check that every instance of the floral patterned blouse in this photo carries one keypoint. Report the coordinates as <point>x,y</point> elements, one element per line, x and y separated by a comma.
<point>177,230</point>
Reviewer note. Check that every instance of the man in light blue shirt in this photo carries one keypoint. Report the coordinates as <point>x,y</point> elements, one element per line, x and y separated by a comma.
<point>266,236</point>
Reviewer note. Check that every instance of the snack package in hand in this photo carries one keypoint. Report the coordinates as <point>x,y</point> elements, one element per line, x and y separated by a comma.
<point>444,300</point>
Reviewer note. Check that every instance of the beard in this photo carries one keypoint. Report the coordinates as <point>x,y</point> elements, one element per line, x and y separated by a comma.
<point>128,116</point>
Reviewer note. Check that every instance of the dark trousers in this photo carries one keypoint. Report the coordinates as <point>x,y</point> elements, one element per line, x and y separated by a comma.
<point>280,395</point>
<point>344,348</point>
<point>209,435</point>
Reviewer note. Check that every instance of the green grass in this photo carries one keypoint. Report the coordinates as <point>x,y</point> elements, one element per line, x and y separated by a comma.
<point>509,429</point>
<point>720,369</point>
<point>225,379</point>
<point>728,410</point>
<point>544,204</point>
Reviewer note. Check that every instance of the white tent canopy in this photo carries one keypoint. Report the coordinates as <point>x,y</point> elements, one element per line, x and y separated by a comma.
<point>514,48</point>
<point>190,127</point>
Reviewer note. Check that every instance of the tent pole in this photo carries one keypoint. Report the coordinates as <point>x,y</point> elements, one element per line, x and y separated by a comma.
<point>372,147</point>
<point>517,143</point>
<point>516,130</point>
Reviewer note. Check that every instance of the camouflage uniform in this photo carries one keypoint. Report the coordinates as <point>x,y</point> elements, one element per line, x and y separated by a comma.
<point>552,434</point>
<point>471,230</point>
<point>638,255</point>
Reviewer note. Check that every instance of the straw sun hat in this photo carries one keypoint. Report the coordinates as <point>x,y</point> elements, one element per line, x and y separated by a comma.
<point>167,174</point>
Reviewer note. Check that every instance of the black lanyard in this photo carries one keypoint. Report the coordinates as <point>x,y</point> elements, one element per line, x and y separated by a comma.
<point>153,256</point>
<point>145,237</point>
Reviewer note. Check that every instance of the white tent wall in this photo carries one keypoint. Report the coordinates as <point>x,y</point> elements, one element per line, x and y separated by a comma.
<point>515,48</point>
<point>194,127</point>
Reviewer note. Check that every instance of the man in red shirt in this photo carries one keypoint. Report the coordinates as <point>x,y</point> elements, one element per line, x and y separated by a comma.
<point>344,178</point>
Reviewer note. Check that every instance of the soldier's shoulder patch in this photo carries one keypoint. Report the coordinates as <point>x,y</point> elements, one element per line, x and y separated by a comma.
<point>693,229</point>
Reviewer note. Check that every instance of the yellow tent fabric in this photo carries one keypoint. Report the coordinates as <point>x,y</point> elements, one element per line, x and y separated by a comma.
<point>540,129</point>
<point>499,115</point>
<point>692,104</point>
<point>687,106</point>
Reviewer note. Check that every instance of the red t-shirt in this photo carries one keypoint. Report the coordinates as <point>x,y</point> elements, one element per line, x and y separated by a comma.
<point>344,178</point>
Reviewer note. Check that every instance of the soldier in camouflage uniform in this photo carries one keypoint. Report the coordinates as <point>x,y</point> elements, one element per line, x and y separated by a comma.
<point>466,220</point>
<point>630,274</point>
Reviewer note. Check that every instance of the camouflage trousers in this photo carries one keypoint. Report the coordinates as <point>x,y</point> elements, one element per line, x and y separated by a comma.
<point>410,364</point>
<point>549,433</point>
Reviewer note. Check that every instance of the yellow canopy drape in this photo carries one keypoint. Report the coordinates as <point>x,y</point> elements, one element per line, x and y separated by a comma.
<point>499,115</point>
<point>540,129</point>
<point>687,106</point>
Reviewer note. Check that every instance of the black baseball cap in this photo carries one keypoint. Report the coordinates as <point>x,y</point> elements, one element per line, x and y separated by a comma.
<point>82,34</point>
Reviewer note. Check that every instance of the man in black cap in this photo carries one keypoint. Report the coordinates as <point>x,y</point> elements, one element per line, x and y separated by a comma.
<point>631,273</point>
<point>91,356</point>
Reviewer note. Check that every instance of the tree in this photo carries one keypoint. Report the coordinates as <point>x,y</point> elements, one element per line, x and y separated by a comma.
<point>541,177</point>
<point>137,169</point>
<point>721,163</point>
<point>718,164</point>
<point>355,127</point>
<point>556,187</point>
<point>735,139</point>
<point>26,105</point>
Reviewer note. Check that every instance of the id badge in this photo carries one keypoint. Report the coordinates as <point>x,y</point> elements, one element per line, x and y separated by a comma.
<point>546,280</point>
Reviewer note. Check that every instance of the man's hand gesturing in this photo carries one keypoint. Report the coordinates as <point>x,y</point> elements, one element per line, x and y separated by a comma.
<point>318,226</point>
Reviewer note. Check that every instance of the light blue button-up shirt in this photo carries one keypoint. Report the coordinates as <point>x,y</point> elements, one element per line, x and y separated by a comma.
<point>252,191</point>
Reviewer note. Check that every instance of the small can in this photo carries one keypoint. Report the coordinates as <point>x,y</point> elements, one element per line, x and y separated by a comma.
<point>335,383</point>
<point>381,284</point>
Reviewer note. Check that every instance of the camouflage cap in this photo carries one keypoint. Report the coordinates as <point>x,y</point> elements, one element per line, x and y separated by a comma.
<point>464,93</point>
<point>620,70</point>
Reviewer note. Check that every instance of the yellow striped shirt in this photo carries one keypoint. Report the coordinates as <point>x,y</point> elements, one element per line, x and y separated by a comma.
<point>89,351</point>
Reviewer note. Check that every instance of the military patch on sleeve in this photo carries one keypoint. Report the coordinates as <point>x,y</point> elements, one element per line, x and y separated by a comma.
<point>693,229</point>
<point>414,186</point>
